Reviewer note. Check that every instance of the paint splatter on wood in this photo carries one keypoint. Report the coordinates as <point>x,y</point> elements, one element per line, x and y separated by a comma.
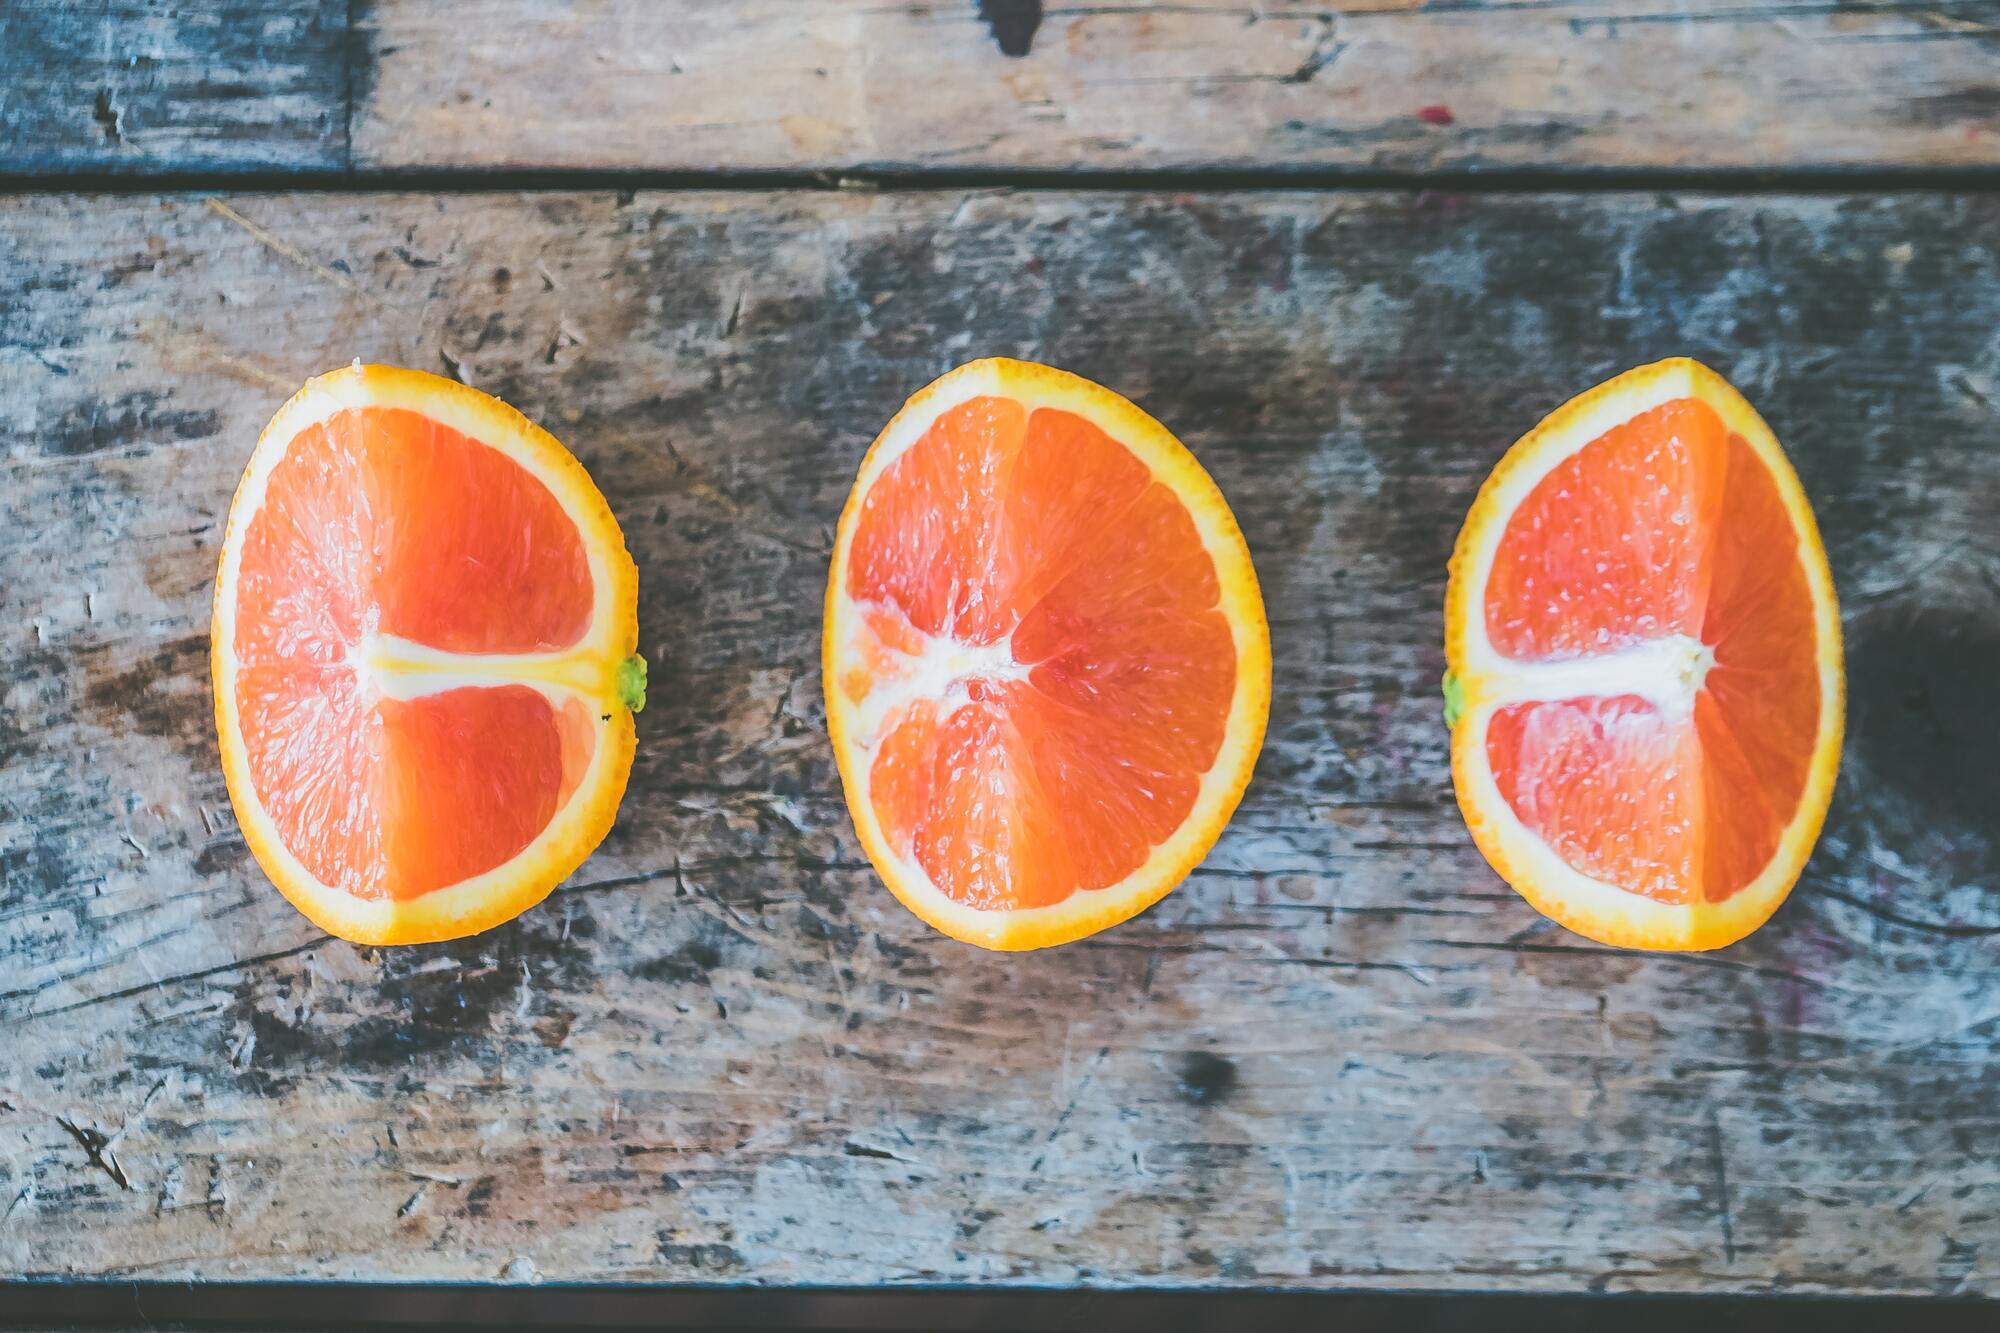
<point>1013,23</point>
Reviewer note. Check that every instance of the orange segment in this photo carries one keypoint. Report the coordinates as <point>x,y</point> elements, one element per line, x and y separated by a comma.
<point>473,554</point>
<point>1611,548</point>
<point>394,798</point>
<point>971,525</point>
<point>422,614</point>
<point>1644,643</point>
<point>1047,662</point>
<point>1572,769</point>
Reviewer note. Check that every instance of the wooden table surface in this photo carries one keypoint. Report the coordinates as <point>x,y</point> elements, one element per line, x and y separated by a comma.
<point>1343,1054</point>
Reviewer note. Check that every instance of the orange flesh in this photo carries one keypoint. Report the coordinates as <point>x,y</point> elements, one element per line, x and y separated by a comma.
<point>1666,525</point>
<point>382,522</point>
<point>1060,607</point>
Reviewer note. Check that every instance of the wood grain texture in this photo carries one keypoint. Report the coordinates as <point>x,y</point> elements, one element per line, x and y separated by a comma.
<point>860,85</point>
<point>1381,84</point>
<point>1341,1054</point>
<point>130,87</point>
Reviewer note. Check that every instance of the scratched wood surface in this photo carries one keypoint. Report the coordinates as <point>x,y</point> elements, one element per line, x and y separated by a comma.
<point>1342,1054</point>
<point>127,86</point>
<point>859,85</point>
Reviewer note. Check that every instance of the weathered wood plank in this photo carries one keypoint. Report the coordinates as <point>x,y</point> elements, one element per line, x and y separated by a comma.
<point>126,86</point>
<point>856,85</point>
<point>1382,84</point>
<point>1341,1054</point>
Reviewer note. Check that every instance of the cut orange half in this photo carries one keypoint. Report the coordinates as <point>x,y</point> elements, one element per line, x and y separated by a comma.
<point>423,657</point>
<point>1645,670</point>
<point>1047,666</point>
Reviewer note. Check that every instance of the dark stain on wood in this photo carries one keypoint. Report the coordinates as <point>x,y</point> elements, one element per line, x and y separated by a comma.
<point>1207,1079</point>
<point>422,1020</point>
<point>107,118</point>
<point>181,567</point>
<point>1913,827</point>
<point>844,939</point>
<point>477,1197</point>
<point>137,418</point>
<point>1922,713</point>
<point>1977,107</point>
<point>707,1259</point>
<point>35,669</point>
<point>1013,23</point>
<point>161,694</point>
<point>359,59</point>
<point>428,1003</point>
<point>45,865</point>
<point>221,856</point>
<point>710,947</point>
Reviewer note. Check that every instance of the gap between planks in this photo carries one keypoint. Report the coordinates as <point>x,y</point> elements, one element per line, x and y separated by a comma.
<point>892,179</point>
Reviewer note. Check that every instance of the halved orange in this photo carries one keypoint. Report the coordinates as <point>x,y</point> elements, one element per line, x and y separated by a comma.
<point>1645,681</point>
<point>1047,667</point>
<point>423,657</point>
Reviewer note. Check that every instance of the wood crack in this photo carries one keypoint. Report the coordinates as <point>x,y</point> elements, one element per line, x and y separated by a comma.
<point>1062,1121</point>
<point>1721,1169</point>
<point>96,1145</point>
<point>1947,929</point>
<point>1672,959</point>
<point>176,979</point>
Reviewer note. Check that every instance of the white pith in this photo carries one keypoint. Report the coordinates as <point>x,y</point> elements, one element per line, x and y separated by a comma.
<point>389,667</point>
<point>1667,672</point>
<point>942,673</point>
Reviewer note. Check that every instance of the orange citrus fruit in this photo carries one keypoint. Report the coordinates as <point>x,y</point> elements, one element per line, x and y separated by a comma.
<point>1047,668</point>
<point>1645,681</point>
<point>423,657</point>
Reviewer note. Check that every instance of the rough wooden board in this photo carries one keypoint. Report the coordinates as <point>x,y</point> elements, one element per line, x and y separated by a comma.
<point>1214,83</point>
<point>126,86</point>
<point>833,85</point>
<point>1342,1054</point>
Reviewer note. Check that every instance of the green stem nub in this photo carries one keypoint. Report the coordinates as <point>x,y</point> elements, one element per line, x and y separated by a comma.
<point>1454,699</point>
<point>632,683</point>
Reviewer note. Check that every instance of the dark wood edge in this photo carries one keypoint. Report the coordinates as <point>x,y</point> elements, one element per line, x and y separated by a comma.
<point>317,1304</point>
<point>1502,180</point>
